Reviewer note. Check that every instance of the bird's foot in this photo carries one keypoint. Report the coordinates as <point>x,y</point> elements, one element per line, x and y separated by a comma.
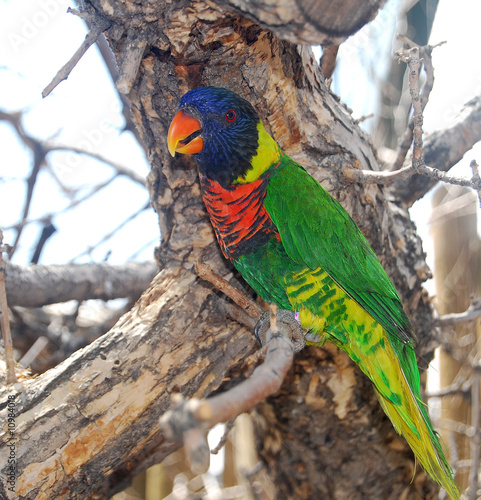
<point>287,324</point>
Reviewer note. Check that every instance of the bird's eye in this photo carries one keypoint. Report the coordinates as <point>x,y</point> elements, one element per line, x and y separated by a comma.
<point>231,115</point>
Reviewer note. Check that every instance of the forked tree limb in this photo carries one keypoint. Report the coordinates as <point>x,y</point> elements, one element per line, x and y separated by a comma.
<point>418,166</point>
<point>189,420</point>
<point>101,406</point>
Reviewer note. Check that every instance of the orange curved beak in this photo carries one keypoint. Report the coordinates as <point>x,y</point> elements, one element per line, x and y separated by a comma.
<point>183,134</point>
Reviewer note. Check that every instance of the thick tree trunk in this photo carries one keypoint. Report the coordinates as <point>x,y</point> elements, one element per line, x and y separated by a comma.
<point>93,422</point>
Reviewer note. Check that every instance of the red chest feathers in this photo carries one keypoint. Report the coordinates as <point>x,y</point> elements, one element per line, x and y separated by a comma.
<point>240,220</point>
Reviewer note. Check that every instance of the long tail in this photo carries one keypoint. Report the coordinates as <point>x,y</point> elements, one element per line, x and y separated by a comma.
<point>424,442</point>
<point>383,357</point>
<point>393,370</point>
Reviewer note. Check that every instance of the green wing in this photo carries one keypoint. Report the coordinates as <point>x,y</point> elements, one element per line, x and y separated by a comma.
<point>315,230</point>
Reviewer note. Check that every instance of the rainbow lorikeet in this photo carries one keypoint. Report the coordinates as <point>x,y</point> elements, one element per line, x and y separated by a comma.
<point>298,248</point>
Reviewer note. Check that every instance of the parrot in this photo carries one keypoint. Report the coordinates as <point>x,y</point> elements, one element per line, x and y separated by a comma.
<point>299,249</point>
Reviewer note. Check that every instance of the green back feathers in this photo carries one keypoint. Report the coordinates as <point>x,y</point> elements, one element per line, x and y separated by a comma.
<point>316,231</point>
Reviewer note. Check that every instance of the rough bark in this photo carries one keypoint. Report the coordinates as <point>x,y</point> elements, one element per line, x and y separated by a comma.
<point>35,286</point>
<point>324,435</point>
<point>311,22</point>
<point>91,423</point>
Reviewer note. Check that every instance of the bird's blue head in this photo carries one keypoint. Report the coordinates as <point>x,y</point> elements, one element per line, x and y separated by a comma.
<point>220,129</point>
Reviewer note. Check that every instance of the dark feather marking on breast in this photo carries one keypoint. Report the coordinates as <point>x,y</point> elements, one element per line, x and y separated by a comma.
<point>238,215</point>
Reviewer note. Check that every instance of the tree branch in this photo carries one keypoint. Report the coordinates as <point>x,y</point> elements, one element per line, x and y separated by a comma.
<point>471,314</point>
<point>386,178</point>
<point>461,137</point>
<point>443,150</point>
<point>111,233</point>
<point>189,421</point>
<point>411,57</point>
<point>98,26</point>
<point>35,286</point>
<point>309,22</point>
<point>73,422</point>
<point>476,438</point>
<point>406,141</point>
<point>40,150</point>
<point>247,305</point>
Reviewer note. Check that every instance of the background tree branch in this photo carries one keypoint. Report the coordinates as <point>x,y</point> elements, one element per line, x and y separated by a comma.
<point>35,286</point>
<point>442,150</point>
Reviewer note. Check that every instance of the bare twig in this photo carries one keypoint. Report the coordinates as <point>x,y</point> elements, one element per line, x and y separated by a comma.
<point>190,420</point>
<point>411,57</point>
<point>454,426</point>
<point>47,231</point>
<point>385,178</point>
<point>120,169</point>
<point>472,313</point>
<point>223,439</point>
<point>98,27</point>
<point>15,119</point>
<point>110,234</point>
<point>250,476</point>
<point>425,53</point>
<point>476,179</point>
<point>50,215</point>
<point>461,386</point>
<point>43,148</point>
<point>34,351</point>
<point>7,338</point>
<point>40,150</point>
<point>363,118</point>
<point>206,273</point>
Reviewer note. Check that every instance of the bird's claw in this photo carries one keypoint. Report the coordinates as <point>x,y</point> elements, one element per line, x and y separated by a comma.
<point>287,324</point>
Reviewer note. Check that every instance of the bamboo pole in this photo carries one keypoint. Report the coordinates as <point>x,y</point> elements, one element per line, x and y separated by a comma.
<point>456,270</point>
